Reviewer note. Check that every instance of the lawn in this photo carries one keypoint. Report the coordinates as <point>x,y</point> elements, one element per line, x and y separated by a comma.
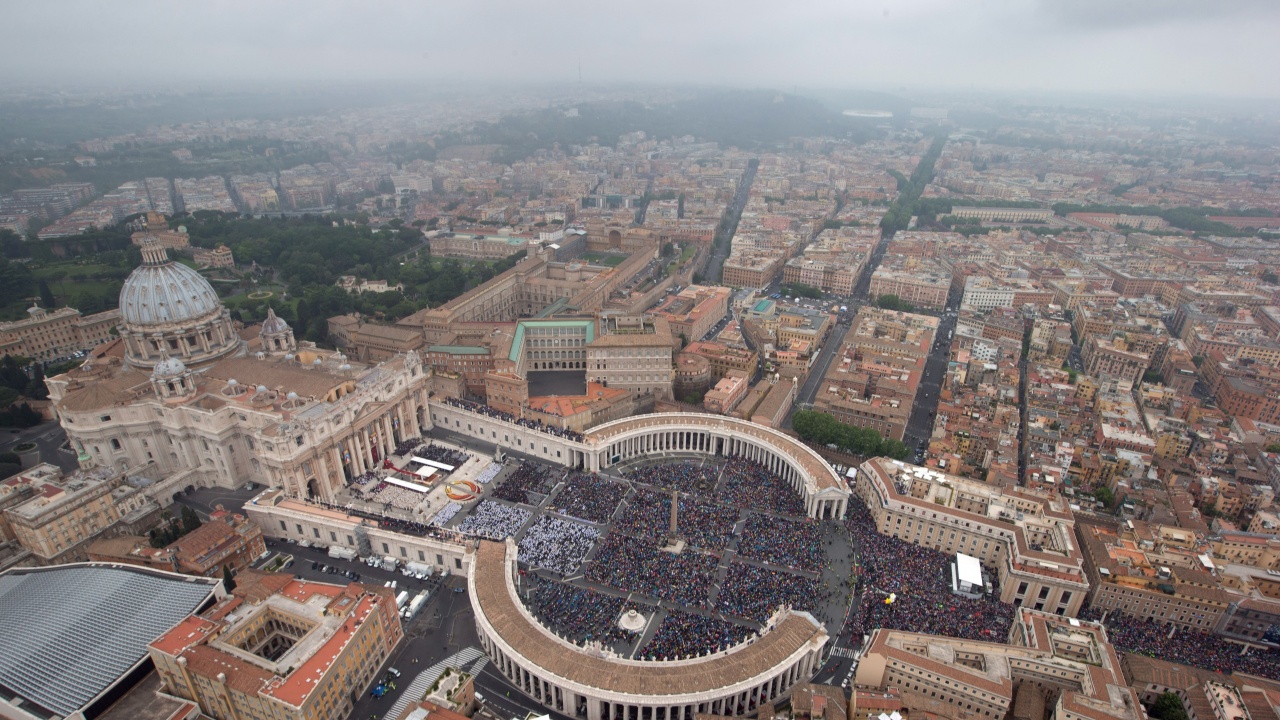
<point>606,259</point>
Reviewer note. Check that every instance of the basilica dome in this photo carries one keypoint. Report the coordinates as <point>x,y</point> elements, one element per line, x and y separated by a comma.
<point>169,313</point>
<point>164,292</point>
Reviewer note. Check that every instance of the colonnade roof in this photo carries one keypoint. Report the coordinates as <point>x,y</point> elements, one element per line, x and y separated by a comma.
<point>763,658</point>
<point>813,465</point>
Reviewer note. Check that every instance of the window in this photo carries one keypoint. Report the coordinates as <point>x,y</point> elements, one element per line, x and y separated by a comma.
<point>439,559</point>
<point>299,526</point>
<point>283,526</point>
<point>422,557</point>
<point>316,532</point>
<point>385,549</point>
<point>457,563</point>
<point>115,444</point>
<point>105,418</point>
<point>403,552</point>
<point>333,536</point>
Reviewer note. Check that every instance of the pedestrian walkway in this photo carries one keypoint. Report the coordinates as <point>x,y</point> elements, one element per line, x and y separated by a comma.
<point>469,659</point>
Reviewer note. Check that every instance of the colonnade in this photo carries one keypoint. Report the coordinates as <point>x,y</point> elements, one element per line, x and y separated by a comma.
<point>612,706</point>
<point>645,443</point>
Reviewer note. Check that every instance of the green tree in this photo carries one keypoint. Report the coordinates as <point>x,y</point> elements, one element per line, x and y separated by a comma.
<point>36,389</point>
<point>1104,495</point>
<point>190,520</point>
<point>1273,448</point>
<point>46,295</point>
<point>1168,707</point>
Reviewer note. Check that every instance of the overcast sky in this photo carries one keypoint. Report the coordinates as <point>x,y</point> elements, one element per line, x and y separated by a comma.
<point>1164,47</point>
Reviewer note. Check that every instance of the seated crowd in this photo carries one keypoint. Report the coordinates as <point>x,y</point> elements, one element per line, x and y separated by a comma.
<point>494,520</point>
<point>589,497</point>
<point>638,566</point>
<point>701,524</point>
<point>786,543</point>
<point>528,480</point>
<point>684,635</point>
<point>557,545</point>
<point>748,485</point>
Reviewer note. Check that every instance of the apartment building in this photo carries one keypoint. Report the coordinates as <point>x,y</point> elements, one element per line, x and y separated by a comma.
<point>753,270</point>
<point>695,310</point>
<point>1110,358</point>
<point>1152,574</point>
<point>921,289</point>
<point>1026,538</point>
<point>1045,656</point>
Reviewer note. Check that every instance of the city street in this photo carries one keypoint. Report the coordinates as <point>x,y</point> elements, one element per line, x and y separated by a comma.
<point>49,437</point>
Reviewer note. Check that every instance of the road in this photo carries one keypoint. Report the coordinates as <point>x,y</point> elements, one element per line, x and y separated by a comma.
<point>49,437</point>
<point>925,407</point>
<point>819,369</point>
<point>720,250</point>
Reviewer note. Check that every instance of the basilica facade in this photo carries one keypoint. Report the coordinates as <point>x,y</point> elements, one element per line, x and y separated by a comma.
<point>186,399</point>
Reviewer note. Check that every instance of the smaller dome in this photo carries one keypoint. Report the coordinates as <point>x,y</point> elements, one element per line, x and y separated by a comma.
<point>262,388</point>
<point>169,367</point>
<point>233,382</point>
<point>344,367</point>
<point>288,356</point>
<point>273,325</point>
<point>317,362</point>
<point>291,396</point>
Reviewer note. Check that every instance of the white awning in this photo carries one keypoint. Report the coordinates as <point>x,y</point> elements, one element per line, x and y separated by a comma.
<point>405,484</point>
<point>969,569</point>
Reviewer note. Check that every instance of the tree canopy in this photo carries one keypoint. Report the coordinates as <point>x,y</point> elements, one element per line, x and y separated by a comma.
<point>824,429</point>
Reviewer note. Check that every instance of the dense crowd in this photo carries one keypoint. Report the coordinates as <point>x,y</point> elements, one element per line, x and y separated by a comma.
<point>918,578</point>
<point>441,454</point>
<point>579,614</point>
<point>702,524</point>
<point>636,565</point>
<point>754,593</point>
<point>747,484</point>
<point>404,447</point>
<point>686,477</point>
<point>508,417</point>
<point>1188,647</point>
<point>557,545</point>
<point>787,543</point>
<point>446,514</point>
<point>494,520</point>
<point>394,496</point>
<point>590,497</point>
<point>686,634</point>
<point>489,472</point>
<point>527,480</point>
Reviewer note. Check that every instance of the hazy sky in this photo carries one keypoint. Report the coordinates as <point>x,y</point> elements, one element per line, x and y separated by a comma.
<point>1210,47</point>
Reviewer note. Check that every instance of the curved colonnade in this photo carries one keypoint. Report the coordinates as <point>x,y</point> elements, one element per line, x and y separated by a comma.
<point>592,685</point>
<point>824,492</point>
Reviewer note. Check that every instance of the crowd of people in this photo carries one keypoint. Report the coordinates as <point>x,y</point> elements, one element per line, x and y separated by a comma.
<point>489,472</point>
<point>685,477</point>
<point>684,635</point>
<point>917,581</point>
<point>446,514</point>
<point>1189,647</point>
<point>441,454</point>
<point>701,524</point>
<point>638,566</point>
<point>590,497</point>
<point>493,520</point>
<point>538,425</point>
<point>786,543</point>
<point>528,480</point>
<point>579,614</point>
<point>557,545</point>
<point>748,485</point>
<point>394,496</point>
<point>755,593</point>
